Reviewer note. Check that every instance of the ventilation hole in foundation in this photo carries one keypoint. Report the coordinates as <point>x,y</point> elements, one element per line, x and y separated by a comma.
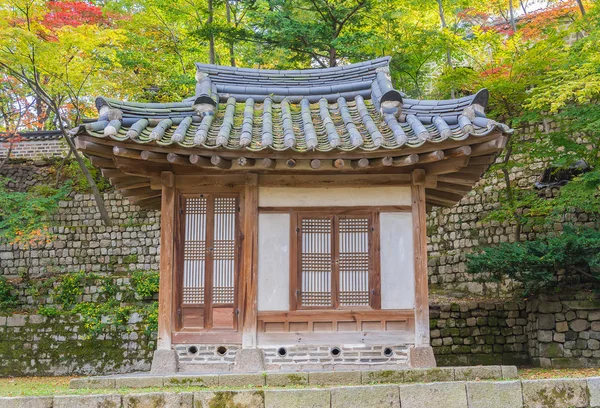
<point>282,352</point>
<point>336,352</point>
<point>221,350</point>
<point>388,352</point>
<point>192,349</point>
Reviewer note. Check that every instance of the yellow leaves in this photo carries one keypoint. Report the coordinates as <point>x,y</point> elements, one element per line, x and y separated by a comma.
<point>33,238</point>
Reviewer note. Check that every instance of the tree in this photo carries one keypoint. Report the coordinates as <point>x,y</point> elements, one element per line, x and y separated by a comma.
<point>58,62</point>
<point>316,31</point>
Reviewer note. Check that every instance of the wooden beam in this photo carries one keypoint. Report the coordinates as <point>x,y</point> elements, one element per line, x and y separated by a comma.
<point>167,179</point>
<point>483,160</point>
<point>139,168</point>
<point>113,174</point>
<point>268,163</point>
<point>446,166</point>
<point>168,223</point>
<point>315,164</point>
<point>148,203</point>
<point>339,163</point>
<point>459,178</point>
<point>436,155</point>
<point>102,162</point>
<point>93,148</point>
<point>246,162</point>
<point>141,191</point>
<point>360,163</point>
<point>420,264</point>
<point>220,162</point>
<point>457,152</point>
<point>200,161</point>
<point>250,261</point>
<point>132,182</point>
<point>128,153</point>
<point>418,177</point>
<point>405,160</point>
<point>292,180</point>
<point>153,156</point>
<point>453,188</point>
<point>174,158</point>
<point>492,146</point>
<point>449,199</point>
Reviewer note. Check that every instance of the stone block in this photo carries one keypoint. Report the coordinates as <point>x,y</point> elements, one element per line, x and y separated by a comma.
<point>555,393</point>
<point>25,402</point>
<point>434,395</point>
<point>138,381</point>
<point>429,374</point>
<point>92,382</point>
<point>546,322</point>
<point>335,378</point>
<point>593,384</point>
<point>494,394</point>
<point>579,325</point>
<point>164,362</point>
<point>383,396</point>
<point>300,398</point>
<point>421,357</point>
<point>157,399</point>
<point>286,379</point>
<point>550,307</point>
<point>191,381</point>
<point>551,350</point>
<point>509,371</point>
<point>383,376</point>
<point>87,401</point>
<point>477,373</point>
<point>249,361</point>
<point>246,399</point>
<point>241,380</point>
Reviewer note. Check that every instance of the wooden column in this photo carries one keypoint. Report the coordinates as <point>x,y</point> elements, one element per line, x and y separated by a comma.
<point>167,260</point>
<point>249,272</point>
<point>420,258</point>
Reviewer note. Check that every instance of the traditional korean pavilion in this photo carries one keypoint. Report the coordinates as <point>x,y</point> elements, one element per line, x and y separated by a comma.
<point>293,211</point>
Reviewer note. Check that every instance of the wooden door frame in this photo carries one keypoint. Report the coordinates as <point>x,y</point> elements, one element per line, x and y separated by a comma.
<point>244,265</point>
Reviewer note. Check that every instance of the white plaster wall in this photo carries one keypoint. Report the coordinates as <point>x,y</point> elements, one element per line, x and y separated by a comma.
<point>273,262</point>
<point>397,261</point>
<point>333,196</point>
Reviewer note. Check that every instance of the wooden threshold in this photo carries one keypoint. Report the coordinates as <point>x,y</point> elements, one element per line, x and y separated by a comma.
<point>212,337</point>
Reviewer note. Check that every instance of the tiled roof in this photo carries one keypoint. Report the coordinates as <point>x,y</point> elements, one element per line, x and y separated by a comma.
<point>346,108</point>
<point>40,135</point>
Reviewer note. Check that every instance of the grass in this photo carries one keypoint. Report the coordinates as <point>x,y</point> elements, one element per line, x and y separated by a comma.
<point>48,386</point>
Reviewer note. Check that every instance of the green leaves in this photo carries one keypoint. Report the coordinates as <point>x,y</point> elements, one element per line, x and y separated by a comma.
<point>543,264</point>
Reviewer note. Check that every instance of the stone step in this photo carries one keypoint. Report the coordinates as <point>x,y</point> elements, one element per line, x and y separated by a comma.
<point>283,379</point>
<point>559,393</point>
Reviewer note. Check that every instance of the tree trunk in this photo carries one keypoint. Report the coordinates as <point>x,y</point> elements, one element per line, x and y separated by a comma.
<point>448,54</point>
<point>512,16</point>
<point>581,8</point>
<point>231,49</point>
<point>211,39</point>
<point>332,57</point>
<point>88,176</point>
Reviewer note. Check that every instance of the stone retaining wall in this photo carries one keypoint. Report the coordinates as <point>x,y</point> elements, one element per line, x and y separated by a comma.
<point>38,345</point>
<point>579,393</point>
<point>472,333</point>
<point>564,330</point>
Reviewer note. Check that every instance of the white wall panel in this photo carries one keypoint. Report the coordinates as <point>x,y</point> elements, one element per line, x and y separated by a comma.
<point>273,262</point>
<point>333,196</point>
<point>397,261</point>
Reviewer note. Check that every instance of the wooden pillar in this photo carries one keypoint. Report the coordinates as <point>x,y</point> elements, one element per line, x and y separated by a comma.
<point>168,217</point>
<point>249,272</point>
<point>420,258</point>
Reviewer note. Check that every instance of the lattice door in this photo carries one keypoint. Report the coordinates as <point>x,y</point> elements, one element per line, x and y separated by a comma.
<point>335,261</point>
<point>210,262</point>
